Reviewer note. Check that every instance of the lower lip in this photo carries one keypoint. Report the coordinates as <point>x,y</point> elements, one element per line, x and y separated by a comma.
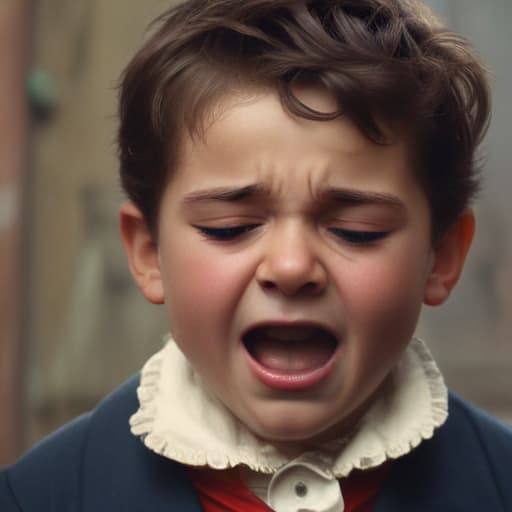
<point>291,381</point>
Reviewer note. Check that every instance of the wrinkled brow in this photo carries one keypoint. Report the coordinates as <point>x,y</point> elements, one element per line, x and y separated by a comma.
<point>344,196</point>
<point>228,194</point>
<point>349,196</point>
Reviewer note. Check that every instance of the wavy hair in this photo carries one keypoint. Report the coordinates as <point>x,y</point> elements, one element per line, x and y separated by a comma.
<point>382,59</point>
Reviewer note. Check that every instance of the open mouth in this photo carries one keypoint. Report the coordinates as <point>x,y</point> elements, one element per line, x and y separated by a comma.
<point>290,356</point>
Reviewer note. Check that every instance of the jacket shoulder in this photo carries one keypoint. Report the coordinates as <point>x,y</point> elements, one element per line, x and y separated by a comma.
<point>95,464</point>
<point>494,440</point>
<point>47,475</point>
<point>50,475</point>
<point>464,467</point>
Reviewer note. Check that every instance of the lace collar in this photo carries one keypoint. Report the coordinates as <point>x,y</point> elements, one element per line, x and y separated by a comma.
<point>181,420</point>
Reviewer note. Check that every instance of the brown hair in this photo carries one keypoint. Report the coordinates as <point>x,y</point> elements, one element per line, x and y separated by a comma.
<point>386,59</point>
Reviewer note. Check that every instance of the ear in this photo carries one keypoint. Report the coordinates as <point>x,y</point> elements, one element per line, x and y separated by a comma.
<point>449,256</point>
<point>142,252</point>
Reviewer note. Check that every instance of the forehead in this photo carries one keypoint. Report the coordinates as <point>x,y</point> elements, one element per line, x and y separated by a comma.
<point>250,136</point>
<point>248,117</point>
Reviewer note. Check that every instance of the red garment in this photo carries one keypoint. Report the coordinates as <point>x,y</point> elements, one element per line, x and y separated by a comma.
<point>224,491</point>
<point>361,488</point>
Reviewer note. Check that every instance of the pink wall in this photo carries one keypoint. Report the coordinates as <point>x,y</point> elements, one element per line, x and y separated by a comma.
<point>12,170</point>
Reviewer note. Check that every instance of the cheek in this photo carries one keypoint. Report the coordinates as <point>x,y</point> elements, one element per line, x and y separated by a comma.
<point>386,295</point>
<point>200,284</point>
<point>382,309</point>
<point>197,279</point>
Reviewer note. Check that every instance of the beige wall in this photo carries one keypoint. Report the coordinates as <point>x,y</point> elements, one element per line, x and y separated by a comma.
<point>77,352</point>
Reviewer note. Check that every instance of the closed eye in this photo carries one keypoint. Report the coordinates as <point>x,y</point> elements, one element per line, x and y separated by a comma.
<point>358,237</point>
<point>227,233</point>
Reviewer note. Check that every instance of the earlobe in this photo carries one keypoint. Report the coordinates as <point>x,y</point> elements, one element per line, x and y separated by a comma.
<point>449,256</point>
<point>142,252</point>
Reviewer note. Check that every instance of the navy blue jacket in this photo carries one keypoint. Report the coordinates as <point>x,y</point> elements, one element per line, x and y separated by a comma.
<point>94,464</point>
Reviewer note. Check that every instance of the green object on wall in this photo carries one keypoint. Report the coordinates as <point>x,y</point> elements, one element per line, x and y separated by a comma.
<point>42,94</point>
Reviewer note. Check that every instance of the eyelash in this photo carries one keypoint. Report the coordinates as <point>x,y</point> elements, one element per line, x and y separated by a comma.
<point>226,234</point>
<point>232,232</point>
<point>358,237</point>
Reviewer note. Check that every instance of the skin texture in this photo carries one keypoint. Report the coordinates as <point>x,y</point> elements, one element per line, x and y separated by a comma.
<point>304,188</point>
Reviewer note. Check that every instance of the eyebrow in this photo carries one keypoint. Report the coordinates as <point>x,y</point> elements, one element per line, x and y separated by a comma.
<point>349,196</point>
<point>345,196</point>
<point>227,194</point>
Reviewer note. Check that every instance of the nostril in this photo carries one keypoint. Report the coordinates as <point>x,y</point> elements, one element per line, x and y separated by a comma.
<point>268,285</point>
<point>307,288</point>
<point>280,275</point>
<point>310,287</point>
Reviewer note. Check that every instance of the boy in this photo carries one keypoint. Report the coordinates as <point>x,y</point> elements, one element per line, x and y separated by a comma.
<point>298,175</point>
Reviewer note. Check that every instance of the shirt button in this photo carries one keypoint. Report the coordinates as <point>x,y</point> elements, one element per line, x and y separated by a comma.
<point>301,489</point>
<point>297,488</point>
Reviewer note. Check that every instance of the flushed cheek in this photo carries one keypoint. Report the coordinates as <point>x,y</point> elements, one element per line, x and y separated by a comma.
<point>381,308</point>
<point>385,296</point>
<point>202,291</point>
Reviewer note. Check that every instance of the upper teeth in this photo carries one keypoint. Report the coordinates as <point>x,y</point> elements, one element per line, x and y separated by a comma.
<point>292,333</point>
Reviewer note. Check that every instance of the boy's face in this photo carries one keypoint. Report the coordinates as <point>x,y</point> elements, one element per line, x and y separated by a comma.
<point>293,258</point>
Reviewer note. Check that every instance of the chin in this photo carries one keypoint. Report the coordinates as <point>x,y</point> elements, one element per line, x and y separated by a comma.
<point>300,429</point>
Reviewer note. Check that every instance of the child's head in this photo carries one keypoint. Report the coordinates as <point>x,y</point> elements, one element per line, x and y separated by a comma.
<point>298,174</point>
<point>382,59</point>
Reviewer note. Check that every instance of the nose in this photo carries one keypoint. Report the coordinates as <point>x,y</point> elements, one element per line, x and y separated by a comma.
<point>290,264</point>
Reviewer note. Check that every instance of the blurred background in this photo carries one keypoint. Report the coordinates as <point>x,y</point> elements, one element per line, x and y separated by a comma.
<point>72,325</point>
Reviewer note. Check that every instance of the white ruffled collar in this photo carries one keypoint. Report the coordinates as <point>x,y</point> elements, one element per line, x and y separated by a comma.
<point>181,420</point>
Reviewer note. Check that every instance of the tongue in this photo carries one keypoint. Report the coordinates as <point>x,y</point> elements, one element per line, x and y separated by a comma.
<point>294,356</point>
